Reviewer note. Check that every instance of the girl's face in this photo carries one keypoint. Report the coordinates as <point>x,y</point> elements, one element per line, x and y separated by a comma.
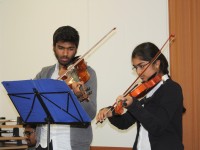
<point>139,65</point>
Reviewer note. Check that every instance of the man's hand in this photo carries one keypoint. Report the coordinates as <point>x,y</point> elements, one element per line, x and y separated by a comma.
<point>76,88</point>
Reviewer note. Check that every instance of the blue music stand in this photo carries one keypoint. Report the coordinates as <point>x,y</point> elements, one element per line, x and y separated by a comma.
<point>46,101</point>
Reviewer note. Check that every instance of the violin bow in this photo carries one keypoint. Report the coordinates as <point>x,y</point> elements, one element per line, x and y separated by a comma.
<point>81,58</point>
<point>131,87</point>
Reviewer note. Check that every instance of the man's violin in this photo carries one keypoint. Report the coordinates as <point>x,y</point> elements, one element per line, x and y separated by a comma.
<point>77,72</point>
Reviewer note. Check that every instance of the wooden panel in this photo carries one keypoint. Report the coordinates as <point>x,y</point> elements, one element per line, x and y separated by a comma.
<point>11,126</point>
<point>3,121</point>
<point>4,138</point>
<point>185,65</point>
<point>13,147</point>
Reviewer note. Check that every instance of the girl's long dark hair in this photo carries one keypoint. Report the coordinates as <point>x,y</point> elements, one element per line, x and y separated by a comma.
<point>147,51</point>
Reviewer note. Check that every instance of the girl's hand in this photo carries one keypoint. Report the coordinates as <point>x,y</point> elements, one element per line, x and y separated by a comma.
<point>103,114</point>
<point>126,101</point>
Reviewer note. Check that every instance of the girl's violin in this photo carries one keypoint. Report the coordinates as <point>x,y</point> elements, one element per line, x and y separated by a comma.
<point>139,92</point>
<point>142,89</point>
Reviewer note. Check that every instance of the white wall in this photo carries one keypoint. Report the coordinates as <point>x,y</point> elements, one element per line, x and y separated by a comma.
<point>26,29</point>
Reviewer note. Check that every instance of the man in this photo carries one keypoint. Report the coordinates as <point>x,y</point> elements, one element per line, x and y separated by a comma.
<point>68,137</point>
<point>29,133</point>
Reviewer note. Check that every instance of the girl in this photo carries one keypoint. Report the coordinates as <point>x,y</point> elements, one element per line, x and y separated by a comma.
<point>159,114</point>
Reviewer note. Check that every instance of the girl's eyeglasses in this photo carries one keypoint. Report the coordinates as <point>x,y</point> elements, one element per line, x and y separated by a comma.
<point>140,66</point>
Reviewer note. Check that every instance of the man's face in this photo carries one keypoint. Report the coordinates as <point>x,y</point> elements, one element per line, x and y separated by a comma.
<point>30,135</point>
<point>64,52</point>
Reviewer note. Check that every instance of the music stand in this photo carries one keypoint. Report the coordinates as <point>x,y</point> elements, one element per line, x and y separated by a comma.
<point>46,101</point>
